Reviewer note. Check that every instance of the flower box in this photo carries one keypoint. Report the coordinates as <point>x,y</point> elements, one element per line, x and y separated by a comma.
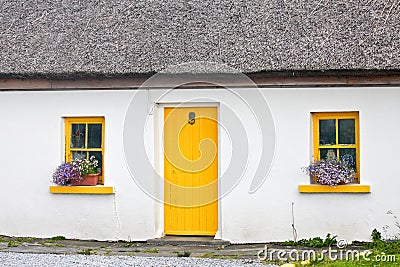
<point>79,171</point>
<point>88,180</point>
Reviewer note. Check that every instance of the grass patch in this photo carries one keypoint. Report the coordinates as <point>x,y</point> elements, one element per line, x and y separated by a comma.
<point>154,250</point>
<point>225,257</point>
<point>86,251</point>
<point>207,255</point>
<point>13,244</point>
<point>184,254</point>
<point>25,239</point>
<point>315,242</point>
<point>130,254</point>
<point>51,244</point>
<point>130,245</point>
<point>58,237</point>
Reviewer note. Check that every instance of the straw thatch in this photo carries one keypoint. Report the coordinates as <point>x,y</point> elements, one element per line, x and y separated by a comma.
<point>107,37</point>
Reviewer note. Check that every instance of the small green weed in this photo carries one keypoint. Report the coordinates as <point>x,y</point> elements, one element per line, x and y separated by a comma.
<point>315,242</point>
<point>231,257</point>
<point>376,235</point>
<point>388,247</point>
<point>184,254</point>
<point>58,237</point>
<point>52,244</point>
<point>154,250</point>
<point>13,244</point>
<point>130,244</point>
<point>86,251</point>
<point>207,255</point>
<point>25,239</point>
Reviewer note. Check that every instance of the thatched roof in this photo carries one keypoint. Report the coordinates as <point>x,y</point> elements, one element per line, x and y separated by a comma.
<point>108,37</point>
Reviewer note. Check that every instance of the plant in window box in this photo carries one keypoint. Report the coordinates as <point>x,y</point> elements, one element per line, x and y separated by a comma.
<point>332,171</point>
<point>77,172</point>
<point>88,171</point>
<point>65,173</point>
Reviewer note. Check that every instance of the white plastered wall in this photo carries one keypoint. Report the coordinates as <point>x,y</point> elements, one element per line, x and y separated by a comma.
<point>31,141</point>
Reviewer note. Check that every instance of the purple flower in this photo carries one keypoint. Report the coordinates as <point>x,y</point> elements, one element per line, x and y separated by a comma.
<point>65,173</point>
<point>332,172</point>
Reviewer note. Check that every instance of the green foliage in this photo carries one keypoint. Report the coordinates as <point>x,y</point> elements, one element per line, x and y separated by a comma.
<point>154,250</point>
<point>379,245</point>
<point>25,239</point>
<point>376,235</point>
<point>207,255</point>
<point>13,244</point>
<point>86,251</point>
<point>86,166</point>
<point>59,237</point>
<point>130,245</point>
<point>51,243</point>
<point>184,254</point>
<point>315,242</point>
<point>388,247</point>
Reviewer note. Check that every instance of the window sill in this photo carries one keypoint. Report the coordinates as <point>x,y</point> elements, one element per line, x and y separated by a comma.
<point>96,190</point>
<point>353,188</point>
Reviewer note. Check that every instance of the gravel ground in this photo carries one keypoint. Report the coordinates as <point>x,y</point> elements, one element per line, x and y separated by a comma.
<point>29,259</point>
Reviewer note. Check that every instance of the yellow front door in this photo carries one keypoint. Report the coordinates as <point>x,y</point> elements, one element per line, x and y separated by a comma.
<point>191,171</point>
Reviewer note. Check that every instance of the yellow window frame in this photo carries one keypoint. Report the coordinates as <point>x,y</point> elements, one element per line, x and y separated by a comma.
<point>317,116</point>
<point>84,120</point>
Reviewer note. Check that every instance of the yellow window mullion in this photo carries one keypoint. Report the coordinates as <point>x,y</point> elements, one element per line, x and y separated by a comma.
<point>316,138</point>
<point>337,138</point>
<point>86,140</point>
<point>339,146</point>
<point>68,155</point>
<point>86,149</point>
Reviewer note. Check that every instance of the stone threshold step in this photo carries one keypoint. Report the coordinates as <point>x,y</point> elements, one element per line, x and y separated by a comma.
<point>188,241</point>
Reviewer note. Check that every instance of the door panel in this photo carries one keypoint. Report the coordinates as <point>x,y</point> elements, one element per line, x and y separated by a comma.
<point>191,171</point>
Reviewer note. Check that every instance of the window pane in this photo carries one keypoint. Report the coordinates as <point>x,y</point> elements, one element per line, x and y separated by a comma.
<point>78,133</point>
<point>328,153</point>
<point>79,155</point>
<point>347,131</point>
<point>349,152</point>
<point>98,156</point>
<point>94,135</point>
<point>327,132</point>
